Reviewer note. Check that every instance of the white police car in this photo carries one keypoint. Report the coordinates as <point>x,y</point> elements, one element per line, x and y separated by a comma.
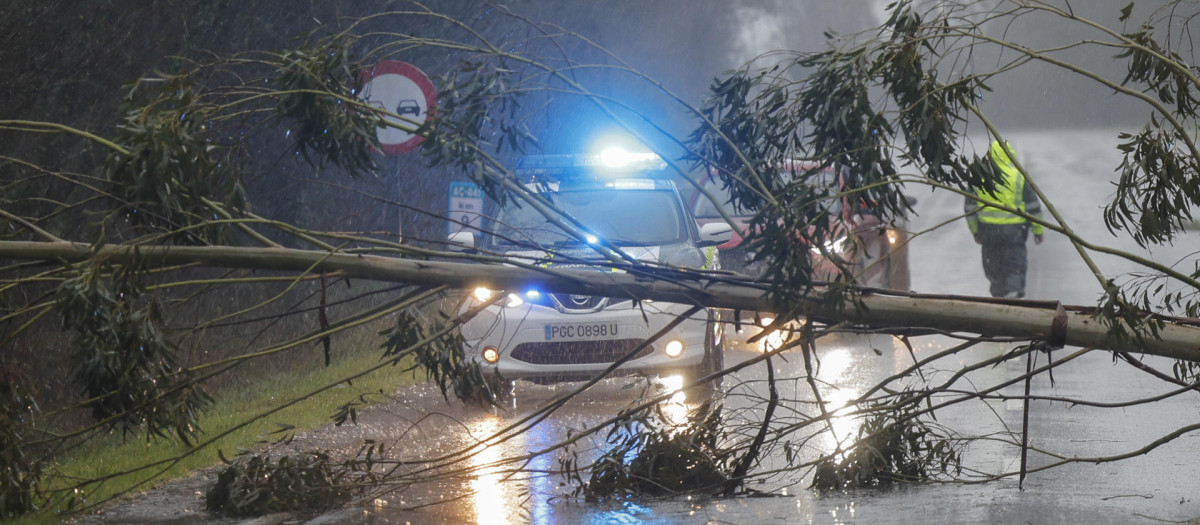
<point>549,337</point>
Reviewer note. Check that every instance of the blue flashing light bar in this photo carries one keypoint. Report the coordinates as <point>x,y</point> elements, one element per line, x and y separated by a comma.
<point>618,158</point>
<point>610,162</point>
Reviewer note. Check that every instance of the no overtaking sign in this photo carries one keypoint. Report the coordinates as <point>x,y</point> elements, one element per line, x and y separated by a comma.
<point>399,88</point>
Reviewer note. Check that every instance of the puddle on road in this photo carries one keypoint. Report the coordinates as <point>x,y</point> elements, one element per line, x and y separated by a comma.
<point>500,492</point>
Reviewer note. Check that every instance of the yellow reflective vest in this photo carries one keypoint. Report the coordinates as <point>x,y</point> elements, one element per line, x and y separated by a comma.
<point>1011,192</point>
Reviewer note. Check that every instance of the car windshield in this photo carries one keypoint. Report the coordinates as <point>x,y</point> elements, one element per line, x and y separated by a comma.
<point>624,217</point>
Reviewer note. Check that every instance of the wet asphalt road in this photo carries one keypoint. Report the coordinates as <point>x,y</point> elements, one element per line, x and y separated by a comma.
<point>1158,486</point>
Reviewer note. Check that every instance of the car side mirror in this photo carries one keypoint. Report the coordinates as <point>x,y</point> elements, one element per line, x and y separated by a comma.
<point>461,241</point>
<point>715,233</point>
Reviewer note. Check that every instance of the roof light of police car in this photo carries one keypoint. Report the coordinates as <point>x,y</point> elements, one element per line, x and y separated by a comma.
<point>591,239</point>
<point>617,157</point>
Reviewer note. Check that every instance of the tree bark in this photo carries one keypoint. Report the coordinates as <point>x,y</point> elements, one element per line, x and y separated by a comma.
<point>882,310</point>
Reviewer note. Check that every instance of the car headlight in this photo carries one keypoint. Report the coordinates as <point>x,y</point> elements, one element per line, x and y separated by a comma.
<point>838,246</point>
<point>674,348</point>
<point>484,295</point>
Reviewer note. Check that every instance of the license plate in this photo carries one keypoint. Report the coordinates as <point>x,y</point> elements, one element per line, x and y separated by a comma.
<point>581,331</point>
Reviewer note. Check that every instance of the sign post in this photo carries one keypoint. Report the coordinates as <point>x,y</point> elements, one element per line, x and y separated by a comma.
<point>466,207</point>
<point>400,88</point>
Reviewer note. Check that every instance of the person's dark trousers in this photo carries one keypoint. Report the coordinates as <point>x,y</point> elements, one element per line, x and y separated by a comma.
<point>1004,257</point>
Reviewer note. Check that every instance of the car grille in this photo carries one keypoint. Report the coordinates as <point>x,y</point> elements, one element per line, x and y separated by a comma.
<point>576,352</point>
<point>586,303</point>
<point>575,304</point>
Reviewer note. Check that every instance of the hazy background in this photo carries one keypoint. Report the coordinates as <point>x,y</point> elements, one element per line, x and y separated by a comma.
<point>687,43</point>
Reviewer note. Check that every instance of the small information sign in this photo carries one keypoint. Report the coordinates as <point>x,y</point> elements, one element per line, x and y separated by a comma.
<point>466,207</point>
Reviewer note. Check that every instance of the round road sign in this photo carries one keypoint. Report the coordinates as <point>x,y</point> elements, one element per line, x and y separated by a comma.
<point>400,88</point>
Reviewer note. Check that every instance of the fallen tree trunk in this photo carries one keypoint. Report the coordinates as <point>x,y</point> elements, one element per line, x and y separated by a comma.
<point>1024,319</point>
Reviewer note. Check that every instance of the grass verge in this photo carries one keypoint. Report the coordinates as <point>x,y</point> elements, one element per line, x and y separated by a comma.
<point>109,456</point>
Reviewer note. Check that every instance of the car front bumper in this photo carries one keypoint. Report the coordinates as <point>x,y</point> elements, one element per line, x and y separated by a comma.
<point>544,344</point>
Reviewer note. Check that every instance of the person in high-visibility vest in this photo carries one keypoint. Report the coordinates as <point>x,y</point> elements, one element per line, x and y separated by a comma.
<point>1003,234</point>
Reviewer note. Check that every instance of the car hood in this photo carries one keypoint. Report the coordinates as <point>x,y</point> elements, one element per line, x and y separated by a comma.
<point>584,258</point>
